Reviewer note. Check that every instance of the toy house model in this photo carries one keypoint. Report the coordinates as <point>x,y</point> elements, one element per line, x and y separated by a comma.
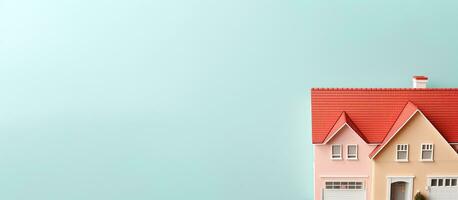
<point>385,143</point>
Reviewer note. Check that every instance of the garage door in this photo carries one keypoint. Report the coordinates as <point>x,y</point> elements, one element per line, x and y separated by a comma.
<point>443,188</point>
<point>344,190</point>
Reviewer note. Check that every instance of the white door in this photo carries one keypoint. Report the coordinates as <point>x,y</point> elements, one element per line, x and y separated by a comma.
<point>344,190</point>
<point>443,188</point>
<point>344,195</point>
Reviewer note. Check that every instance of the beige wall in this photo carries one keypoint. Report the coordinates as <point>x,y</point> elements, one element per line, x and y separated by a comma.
<point>417,131</point>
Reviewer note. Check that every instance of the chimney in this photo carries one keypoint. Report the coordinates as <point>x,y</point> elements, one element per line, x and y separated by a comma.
<point>419,81</point>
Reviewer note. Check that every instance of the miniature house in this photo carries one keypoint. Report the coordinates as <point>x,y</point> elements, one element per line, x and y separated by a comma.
<point>385,143</point>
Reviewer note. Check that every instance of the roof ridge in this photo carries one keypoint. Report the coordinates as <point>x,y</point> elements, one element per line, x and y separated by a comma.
<point>397,118</point>
<point>391,132</point>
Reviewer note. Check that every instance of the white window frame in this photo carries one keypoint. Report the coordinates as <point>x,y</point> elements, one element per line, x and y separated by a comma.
<point>340,152</point>
<point>356,153</point>
<point>432,152</point>
<point>407,153</point>
<point>339,185</point>
<point>443,180</point>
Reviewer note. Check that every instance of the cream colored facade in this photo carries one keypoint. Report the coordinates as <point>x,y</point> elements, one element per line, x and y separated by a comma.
<point>417,131</point>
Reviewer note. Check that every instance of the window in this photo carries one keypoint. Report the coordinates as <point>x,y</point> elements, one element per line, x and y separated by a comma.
<point>344,185</point>
<point>434,182</point>
<point>336,153</point>
<point>427,152</point>
<point>443,182</point>
<point>352,152</point>
<point>402,152</point>
<point>447,182</point>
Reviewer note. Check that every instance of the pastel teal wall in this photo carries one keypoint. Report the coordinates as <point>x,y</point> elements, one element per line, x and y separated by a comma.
<point>187,99</point>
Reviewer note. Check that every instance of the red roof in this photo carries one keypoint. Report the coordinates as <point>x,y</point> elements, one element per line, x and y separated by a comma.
<point>420,77</point>
<point>343,119</point>
<point>375,111</point>
<point>402,119</point>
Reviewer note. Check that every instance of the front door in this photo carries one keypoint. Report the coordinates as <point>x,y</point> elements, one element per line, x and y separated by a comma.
<point>398,191</point>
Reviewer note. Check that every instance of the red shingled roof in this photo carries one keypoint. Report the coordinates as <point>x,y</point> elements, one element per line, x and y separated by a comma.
<point>374,111</point>
<point>409,110</point>
<point>343,119</point>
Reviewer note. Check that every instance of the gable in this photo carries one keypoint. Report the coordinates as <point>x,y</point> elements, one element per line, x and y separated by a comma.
<point>343,121</point>
<point>346,135</point>
<point>418,130</point>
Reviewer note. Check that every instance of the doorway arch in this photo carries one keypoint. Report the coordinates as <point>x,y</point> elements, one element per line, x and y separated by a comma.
<point>398,190</point>
<point>399,187</point>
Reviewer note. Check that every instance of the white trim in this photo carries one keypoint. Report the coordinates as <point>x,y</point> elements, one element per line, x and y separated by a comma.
<point>432,152</point>
<point>356,154</point>
<point>418,83</point>
<point>393,179</point>
<point>443,176</point>
<point>332,153</point>
<point>363,185</point>
<point>375,144</point>
<point>429,181</point>
<point>404,177</point>
<point>396,132</point>
<point>334,134</point>
<point>397,151</point>
<point>343,176</point>
<point>364,189</point>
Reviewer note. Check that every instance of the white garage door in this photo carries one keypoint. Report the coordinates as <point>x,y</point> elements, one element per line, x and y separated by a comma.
<point>443,188</point>
<point>344,190</point>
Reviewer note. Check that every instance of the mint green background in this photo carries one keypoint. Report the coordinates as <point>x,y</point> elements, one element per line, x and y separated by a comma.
<point>187,99</point>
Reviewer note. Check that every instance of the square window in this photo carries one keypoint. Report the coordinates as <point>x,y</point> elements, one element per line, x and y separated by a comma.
<point>402,155</point>
<point>427,155</point>
<point>447,182</point>
<point>454,182</point>
<point>329,185</point>
<point>434,182</point>
<point>441,182</point>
